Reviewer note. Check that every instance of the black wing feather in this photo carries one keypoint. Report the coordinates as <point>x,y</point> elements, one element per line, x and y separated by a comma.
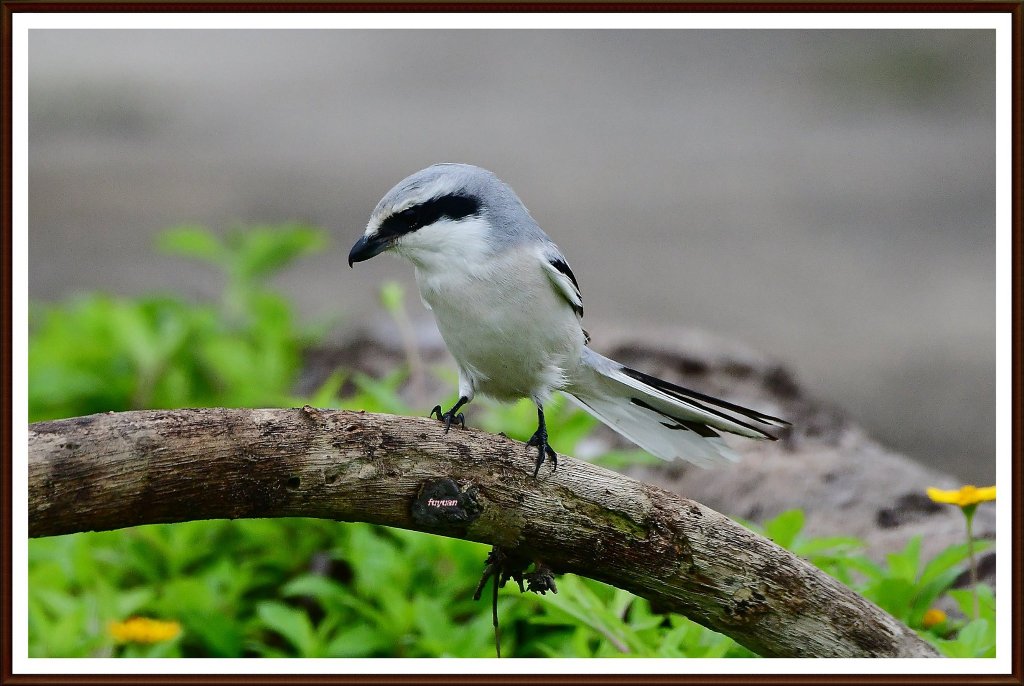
<point>561,265</point>
<point>677,424</point>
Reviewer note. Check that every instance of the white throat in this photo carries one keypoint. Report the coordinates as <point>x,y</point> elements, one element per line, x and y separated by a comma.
<point>452,247</point>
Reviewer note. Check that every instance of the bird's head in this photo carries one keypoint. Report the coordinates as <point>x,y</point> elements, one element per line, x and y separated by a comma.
<point>443,212</point>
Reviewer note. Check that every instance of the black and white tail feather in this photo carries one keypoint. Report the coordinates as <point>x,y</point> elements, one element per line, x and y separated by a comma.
<point>666,420</point>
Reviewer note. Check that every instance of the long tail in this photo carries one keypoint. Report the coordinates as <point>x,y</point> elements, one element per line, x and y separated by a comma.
<point>666,420</point>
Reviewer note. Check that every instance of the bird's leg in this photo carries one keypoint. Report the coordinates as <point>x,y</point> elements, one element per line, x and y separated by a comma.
<point>450,416</point>
<point>540,441</point>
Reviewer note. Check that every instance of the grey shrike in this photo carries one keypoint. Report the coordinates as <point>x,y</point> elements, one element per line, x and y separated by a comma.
<point>510,310</point>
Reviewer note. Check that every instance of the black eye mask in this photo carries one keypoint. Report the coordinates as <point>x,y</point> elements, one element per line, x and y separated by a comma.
<point>452,207</point>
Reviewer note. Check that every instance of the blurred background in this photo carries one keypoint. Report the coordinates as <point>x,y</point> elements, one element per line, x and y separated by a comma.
<point>827,197</point>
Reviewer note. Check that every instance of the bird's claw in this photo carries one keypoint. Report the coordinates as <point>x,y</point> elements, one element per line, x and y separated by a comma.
<point>448,417</point>
<point>540,442</point>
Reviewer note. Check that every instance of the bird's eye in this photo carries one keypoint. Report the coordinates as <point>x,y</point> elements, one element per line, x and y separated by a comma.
<point>409,217</point>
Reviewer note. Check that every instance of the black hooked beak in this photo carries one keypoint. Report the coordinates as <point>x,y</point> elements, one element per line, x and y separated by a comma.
<point>367,247</point>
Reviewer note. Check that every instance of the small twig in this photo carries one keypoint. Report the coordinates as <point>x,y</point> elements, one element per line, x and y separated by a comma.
<point>493,567</point>
<point>494,618</point>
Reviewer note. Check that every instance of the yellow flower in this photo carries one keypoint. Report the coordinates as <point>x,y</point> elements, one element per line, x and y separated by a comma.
<point>933,617</point>
<point>967,495</point>
<point>144,630</point>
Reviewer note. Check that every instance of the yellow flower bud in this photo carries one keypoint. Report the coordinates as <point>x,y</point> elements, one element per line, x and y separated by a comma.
<point>933,617</point>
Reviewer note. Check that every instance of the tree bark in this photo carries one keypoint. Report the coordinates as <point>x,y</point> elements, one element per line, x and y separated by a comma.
<point>116,470</point>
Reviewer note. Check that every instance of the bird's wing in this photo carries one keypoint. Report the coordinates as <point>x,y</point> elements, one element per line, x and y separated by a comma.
<point>562,277</point>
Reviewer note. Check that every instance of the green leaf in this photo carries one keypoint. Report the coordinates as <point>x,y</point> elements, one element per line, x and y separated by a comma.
<point>128,602</point>
<point>950,558</point>
<point>893,595</point>
<point>904,564</point>
<point>292,624</point>
<point>577,600</point>
<point>264,249</point>
<point>191,241</point>
<point>392,297</point>
<point>784,528</point>
<point>221,635</point>
<point>964,598</point>
<point>976,639</point>
<point>986,600</point>
<point>827,545</point>
<point>622,459</point>
<point>54,603</point>
<point>357,641</point>
<point>325,590</point>
<point>327,394</point>
<point>379,395</point>
<point>928,593</point>
<point>867,567</point>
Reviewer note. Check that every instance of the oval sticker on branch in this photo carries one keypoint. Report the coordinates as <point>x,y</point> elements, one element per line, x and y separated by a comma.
<point>441,502</point>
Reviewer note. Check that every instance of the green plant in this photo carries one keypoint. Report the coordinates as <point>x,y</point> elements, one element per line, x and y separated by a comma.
<point>975,637</point>
<point>246,258</point>
<point>603,621</point>
<point>967,498</point>
<point>904,585</point>
<point>98,353</point>
<point>907,588</point>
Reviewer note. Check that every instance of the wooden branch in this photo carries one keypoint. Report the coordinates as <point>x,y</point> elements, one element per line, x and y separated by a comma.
<point>116,470</point>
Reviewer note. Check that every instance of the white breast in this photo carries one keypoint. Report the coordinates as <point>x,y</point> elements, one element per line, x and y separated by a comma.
<point>511,333</point>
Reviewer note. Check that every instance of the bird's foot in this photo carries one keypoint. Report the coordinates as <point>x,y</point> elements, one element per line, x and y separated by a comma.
<point>540,442</point>
<point>449,417</point>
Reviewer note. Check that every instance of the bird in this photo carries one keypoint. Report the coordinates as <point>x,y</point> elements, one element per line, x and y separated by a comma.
<point>510,312</point>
